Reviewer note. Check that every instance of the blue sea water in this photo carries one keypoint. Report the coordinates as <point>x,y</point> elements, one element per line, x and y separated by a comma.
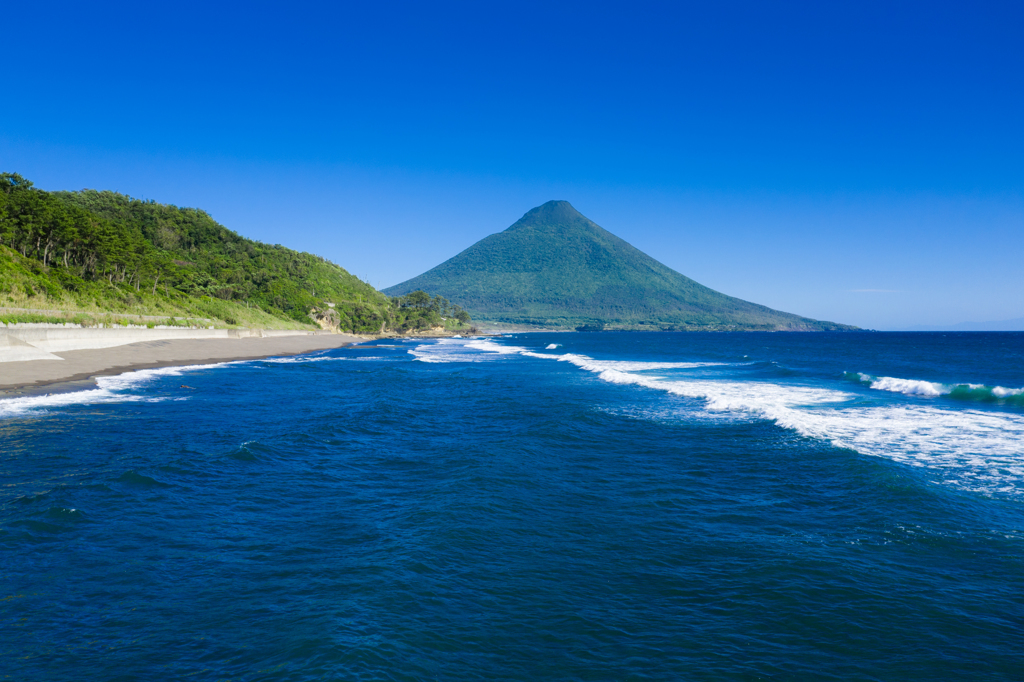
<point>540,506</point>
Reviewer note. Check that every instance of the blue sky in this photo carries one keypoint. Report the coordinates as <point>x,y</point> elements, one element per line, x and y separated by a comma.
<point>858,162</point>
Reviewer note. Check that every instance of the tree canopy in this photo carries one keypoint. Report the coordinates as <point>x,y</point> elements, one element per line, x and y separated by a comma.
<point>94,237</point>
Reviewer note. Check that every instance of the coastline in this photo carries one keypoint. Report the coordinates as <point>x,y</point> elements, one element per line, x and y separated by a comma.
<point>77,369</point>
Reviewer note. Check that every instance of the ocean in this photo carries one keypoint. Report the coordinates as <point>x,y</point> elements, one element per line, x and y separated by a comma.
<point>557,506</point>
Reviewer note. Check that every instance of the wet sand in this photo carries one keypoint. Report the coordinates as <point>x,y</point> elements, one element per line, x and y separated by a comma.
<point>77,367</point>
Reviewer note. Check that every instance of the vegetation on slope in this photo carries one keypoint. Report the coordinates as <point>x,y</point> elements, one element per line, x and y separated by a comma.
<point>30,292</point>
<point>554,267</point>
<point>420,311</point>
<point>103,254</point>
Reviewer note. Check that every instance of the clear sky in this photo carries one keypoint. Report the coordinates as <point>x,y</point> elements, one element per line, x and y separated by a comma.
<point>852,161</point>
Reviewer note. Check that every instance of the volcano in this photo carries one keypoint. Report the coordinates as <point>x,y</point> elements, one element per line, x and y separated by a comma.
<point>556,268</point>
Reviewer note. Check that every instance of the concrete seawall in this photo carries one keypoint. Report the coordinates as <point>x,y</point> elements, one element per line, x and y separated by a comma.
<point>41,341</point>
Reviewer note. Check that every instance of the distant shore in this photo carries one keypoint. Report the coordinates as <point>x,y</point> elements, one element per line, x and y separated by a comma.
<point>75,369</point>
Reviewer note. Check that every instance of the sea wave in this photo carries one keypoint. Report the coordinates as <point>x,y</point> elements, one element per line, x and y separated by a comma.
<point>975,450</point>
<point>458,350</point>
<point>917,387</point>
<point>463,350</point>
<point>483,350</point>
<point>590,364</point>
<point>300,359</point>
<point>112,389</point>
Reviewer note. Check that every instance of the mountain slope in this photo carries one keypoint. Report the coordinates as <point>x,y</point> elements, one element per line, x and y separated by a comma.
<point>554,267</point>
<point>103,254</point>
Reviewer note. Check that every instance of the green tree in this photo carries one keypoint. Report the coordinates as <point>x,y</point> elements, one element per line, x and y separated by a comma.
<point>418,299</point>
<point>110,243</point>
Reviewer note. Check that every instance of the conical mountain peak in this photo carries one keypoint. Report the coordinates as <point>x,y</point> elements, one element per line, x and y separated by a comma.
<point>551,214</point>
<point>554,267</point>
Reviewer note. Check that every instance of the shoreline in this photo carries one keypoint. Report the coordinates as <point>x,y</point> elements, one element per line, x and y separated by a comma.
<point>77,369</point>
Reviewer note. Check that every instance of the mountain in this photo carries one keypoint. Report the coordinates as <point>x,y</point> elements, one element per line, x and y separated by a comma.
<point>556,268</point>
<point>95,256</point>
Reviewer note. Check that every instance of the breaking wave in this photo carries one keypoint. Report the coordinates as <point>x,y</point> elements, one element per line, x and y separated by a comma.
<point>916,387</point>
<point>113,389</point>
<point>460,350</point>
<point>300,359</point>
<point>592,365</point>
<point>973,449</point>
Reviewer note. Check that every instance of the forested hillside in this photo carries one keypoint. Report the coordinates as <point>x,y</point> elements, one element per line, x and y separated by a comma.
<point>554,267</point>
<point>102,253</point>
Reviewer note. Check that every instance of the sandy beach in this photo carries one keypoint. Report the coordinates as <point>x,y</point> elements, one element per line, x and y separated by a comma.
<point>78,367</point>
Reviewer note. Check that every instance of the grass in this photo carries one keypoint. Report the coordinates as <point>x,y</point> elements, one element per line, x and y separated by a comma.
<point>24,283</point>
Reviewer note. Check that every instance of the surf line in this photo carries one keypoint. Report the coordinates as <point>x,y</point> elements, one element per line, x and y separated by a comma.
<point>965,445</point>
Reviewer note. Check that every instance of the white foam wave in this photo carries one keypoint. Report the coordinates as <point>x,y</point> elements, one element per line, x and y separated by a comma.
<point>483,349</point>
<point>112,389</point>
<point>916,387</point>
<point>976,450</point>
<point>489,346</point>
<point>552,346</point>
<point>130,380</point>
<point>33,405</point>
<point>447,350</point>
<point>909,386</point>
<point>300,359</point>
<point>462,350</point>
<point>592,365</point>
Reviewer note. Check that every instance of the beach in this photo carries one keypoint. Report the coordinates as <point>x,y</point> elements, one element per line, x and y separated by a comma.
<point>73,368</point>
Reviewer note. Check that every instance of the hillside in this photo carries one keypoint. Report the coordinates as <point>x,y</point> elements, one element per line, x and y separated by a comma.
<point>556,268</point>
<point>104,256</point>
